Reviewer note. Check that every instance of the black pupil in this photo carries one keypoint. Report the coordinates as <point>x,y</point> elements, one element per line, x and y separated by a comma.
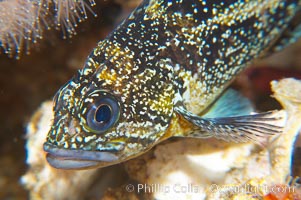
<point>103,114</point>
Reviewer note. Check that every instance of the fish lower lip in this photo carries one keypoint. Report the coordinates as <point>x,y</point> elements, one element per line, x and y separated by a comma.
<point>77,159</point>
<point>63,163</point>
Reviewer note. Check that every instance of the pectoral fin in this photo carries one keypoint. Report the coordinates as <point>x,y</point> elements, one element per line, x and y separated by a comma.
<point>230,104</point>
<point>229,119</point>
<point>238,129</point>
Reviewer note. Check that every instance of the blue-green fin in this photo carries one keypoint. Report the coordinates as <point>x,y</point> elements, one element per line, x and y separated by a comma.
<point>238,129</point>
<point>229,119</point>
<point>230,104</point>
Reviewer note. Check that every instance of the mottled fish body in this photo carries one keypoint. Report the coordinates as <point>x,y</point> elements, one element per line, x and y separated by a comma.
<point>163,73</point>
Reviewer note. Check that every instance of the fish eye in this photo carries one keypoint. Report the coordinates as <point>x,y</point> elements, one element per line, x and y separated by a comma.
<point>102,114</point>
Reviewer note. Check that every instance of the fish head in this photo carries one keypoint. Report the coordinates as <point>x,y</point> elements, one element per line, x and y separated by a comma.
<point>108,114</point>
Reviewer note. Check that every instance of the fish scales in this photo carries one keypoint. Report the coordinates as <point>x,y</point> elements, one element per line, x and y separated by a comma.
<point>157,74</point>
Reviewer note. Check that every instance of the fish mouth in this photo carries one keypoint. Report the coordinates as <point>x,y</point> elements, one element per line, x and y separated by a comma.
<point>77,159</point>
